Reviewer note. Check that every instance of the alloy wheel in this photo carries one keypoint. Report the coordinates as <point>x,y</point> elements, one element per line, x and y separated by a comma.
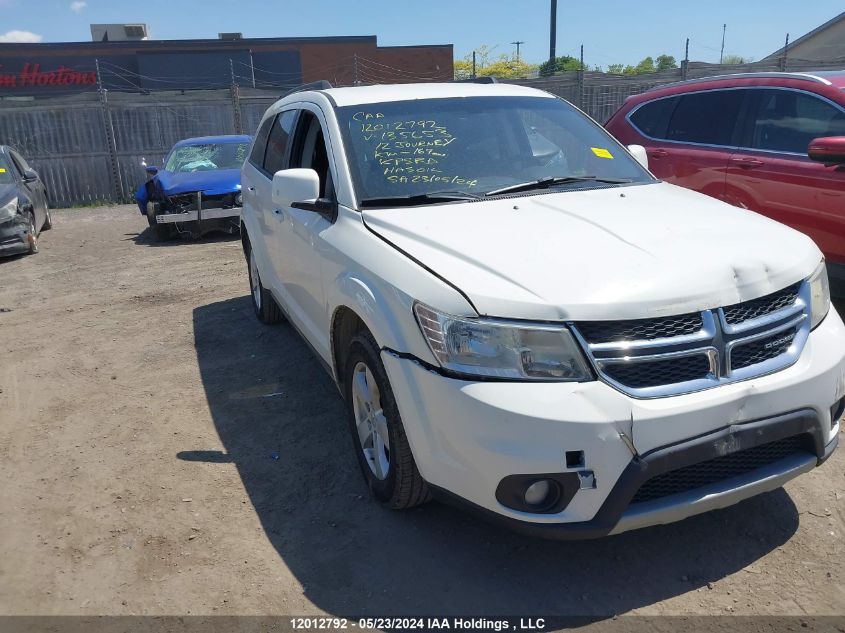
<point>370,421</point>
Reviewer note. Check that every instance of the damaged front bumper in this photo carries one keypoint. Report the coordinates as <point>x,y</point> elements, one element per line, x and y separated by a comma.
<point>14,236</point>
<point>470,439</point>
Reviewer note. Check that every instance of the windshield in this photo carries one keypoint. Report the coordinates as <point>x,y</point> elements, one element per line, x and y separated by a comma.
<point>206,157</point>
<point>6,177</point>
<point>477,145</point>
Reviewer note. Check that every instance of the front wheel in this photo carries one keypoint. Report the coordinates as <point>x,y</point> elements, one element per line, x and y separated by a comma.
<point>32,235</point>
<point>48,220</point>
<point>163,232</point>
<point>380,443</point>
<point>265,306</point>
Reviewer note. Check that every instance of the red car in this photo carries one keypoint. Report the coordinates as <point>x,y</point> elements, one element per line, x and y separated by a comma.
<point>770,142</point>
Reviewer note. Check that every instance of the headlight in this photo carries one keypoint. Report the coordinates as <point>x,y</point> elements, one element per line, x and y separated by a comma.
<point>8,209</point>
<point>819,295</point>
<point>502,350</point>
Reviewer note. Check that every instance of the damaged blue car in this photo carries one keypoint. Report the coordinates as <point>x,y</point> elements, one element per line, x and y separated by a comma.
<point>198,189</point>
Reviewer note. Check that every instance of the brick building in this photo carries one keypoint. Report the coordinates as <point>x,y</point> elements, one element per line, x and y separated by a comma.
<point>144,65</point>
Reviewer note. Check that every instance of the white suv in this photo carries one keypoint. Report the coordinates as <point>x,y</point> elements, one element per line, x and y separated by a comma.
<point>521,318</point>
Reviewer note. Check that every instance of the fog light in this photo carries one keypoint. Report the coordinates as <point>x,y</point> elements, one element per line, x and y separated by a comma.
<point>537,492</point>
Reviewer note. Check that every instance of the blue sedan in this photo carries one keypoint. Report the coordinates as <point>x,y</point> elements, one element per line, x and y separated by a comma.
<point>199,188</point>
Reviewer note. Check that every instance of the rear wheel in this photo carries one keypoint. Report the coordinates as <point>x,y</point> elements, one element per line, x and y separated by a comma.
<point>379,437</point>
<point>265,306</point>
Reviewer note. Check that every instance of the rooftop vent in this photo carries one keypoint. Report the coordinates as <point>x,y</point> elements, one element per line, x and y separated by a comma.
<point>230,36</point>
<point>119,32</point>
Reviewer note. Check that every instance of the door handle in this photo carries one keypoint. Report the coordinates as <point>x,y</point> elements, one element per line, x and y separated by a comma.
<point>746,162</point>
<point>658,153</point>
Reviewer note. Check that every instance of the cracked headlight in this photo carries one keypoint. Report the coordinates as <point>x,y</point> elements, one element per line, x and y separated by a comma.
<point>9,209</point>
<point>819,295</point>
<point>494,349</point>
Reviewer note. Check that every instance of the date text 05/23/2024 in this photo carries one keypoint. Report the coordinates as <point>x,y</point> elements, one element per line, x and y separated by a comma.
<point>418,623</point>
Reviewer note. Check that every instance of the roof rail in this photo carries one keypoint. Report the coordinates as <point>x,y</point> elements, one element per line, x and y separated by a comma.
<point>478,80</point>
<point>322,84</point>
<point>753,75</point>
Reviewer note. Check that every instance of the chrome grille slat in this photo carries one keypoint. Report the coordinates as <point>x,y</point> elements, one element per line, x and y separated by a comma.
<point>699,356</point>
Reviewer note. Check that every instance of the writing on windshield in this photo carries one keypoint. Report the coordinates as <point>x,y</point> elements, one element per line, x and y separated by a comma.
<point>408,150</point>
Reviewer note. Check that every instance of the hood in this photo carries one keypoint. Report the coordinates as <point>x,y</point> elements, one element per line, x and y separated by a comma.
<point>212,182</point>
<point>7,191</point>
<point>617,253</point>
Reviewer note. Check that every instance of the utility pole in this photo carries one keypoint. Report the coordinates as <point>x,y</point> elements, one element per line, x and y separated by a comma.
<point>108,129</point>
<point>355,79</point>
<point>553,34</point>
<point>236,100</point>
<point>783,58</point>
<point>251,68</point>
<point>685,63</point>
<point>473,64</point>
<point>518,42</point>
<point>722,52</point>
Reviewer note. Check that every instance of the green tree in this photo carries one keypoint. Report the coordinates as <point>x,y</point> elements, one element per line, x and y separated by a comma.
<point>666,62</point>
<point>736,59</point>
<point>563,64</point>
<point>504,66</point>
<point>615,69</point>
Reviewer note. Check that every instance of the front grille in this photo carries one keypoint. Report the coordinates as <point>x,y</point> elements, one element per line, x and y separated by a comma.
<point>719,468</point>
<point>761,350</point>
<point>640,329</point>
<point>678,354</point>
<point>739,312</point>
<point>642,374</point>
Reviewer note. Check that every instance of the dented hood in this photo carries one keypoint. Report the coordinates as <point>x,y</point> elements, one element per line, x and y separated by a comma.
<point>617,253</point>
<point>210,182</point>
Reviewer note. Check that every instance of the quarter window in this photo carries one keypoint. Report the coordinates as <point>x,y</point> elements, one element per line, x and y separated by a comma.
<point>652,119</point>
<point>706,117</point>
<point>277,142</point>
<point>786,121</point>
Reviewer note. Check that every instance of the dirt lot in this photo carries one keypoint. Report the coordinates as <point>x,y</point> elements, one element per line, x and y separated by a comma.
<point>161,452</point>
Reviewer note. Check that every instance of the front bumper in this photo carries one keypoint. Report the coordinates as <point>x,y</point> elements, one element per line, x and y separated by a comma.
<point>14,236</point>
<point>193,216</point>
<point>468,436</point>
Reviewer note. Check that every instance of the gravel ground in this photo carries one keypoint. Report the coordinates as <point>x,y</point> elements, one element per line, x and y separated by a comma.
<point>161,452</point>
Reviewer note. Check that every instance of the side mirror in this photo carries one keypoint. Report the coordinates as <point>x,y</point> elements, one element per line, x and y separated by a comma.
<point>295,185</point>
<point>30,175</point>
<point>151,170</point>
<point>829,150</point>
<point>639,154</point>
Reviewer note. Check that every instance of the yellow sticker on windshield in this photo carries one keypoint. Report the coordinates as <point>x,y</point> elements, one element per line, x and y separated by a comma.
<point>2,170</point>
<point>601,152</point>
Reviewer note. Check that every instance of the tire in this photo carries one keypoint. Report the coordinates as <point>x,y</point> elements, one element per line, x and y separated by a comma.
<point>263,304</point>
<point>48,221</point>
<point>388,467</point>
<point>162,232</point>
<point>33,235</point>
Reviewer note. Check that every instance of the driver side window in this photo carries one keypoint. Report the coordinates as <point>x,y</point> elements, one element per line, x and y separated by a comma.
<point>309,151</point>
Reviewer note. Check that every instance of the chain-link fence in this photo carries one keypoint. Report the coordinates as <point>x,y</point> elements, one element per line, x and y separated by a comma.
<point>90,147</point>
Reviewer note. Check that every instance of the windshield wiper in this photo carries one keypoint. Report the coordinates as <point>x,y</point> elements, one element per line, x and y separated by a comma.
<point>418,198</point>
<point>548,181</point>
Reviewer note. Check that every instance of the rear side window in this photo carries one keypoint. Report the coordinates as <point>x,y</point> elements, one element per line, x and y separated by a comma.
<point>256,156</point>
<point>706,117</point>
<point>652,119</point>
<point>277,142</point>
<point>786,121</point>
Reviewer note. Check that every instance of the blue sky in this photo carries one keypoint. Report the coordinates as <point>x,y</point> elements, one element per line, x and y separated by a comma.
<point>611,30</point>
